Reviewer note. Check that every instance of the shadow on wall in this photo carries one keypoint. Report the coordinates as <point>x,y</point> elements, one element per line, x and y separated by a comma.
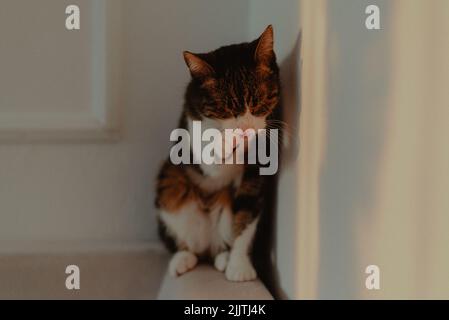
<point>265,255</point>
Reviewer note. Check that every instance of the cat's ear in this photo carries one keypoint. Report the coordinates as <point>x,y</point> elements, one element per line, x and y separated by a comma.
<point>199,68</point>
<point>264,53</point>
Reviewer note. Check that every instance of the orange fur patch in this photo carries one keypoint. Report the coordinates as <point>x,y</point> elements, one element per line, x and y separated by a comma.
<point>175,189</point>
<point>241,220</point>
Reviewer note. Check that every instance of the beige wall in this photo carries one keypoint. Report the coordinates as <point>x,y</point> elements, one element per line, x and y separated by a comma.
<point>405,230</point>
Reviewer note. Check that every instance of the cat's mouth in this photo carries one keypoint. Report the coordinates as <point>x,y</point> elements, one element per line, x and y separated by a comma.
<point>245,141</point>
<point>232,153</point>
<point>240,144</point>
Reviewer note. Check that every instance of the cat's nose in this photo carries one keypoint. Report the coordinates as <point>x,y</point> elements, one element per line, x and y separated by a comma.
<point>246,131</point>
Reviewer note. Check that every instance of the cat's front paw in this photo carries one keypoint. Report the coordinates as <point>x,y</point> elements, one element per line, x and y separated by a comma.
<point>240,269</point>
<point>182,262</point>
<point>221,261</point>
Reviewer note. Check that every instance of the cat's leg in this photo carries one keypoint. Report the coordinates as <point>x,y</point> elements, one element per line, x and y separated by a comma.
<point>181,262</point>
<point>246,208</point>
<point>221,261</point>
<point>179,221</point>
<point>240,267</point>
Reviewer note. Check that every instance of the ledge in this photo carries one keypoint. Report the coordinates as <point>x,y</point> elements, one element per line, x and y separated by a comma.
<point>206,283</point>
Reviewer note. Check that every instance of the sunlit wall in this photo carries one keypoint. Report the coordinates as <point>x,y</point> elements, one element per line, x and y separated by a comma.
<point>383,193</point>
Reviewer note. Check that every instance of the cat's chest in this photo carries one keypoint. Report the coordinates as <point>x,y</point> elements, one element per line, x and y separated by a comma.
<point>200,230</point>
<point>205,223</point>
<point>216,177</point>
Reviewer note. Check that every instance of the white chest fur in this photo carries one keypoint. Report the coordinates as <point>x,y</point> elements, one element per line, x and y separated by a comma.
<point>201,232</point>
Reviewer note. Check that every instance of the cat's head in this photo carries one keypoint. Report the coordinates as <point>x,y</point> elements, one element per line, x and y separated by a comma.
<point>235,86</point>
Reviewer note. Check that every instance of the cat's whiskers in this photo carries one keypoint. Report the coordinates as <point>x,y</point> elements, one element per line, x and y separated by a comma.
<point>283,132</point>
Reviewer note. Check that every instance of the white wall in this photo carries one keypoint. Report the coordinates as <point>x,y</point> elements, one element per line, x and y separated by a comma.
<point>337,116</point>
<point>328,188</point>
<point>380,194</point>
<point>64,195</point>
<point>358,88</point>
<point>385,174</point>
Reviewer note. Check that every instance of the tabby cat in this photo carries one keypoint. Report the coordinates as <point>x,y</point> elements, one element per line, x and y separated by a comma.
<point>212,211</point>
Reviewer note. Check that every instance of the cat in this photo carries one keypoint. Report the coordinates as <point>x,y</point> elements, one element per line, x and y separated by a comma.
<point>212,211</point>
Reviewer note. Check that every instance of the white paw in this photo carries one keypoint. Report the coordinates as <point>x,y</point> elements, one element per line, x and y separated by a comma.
<point>182,262</point>
<point>221,261</point>
<point>240,269</point>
